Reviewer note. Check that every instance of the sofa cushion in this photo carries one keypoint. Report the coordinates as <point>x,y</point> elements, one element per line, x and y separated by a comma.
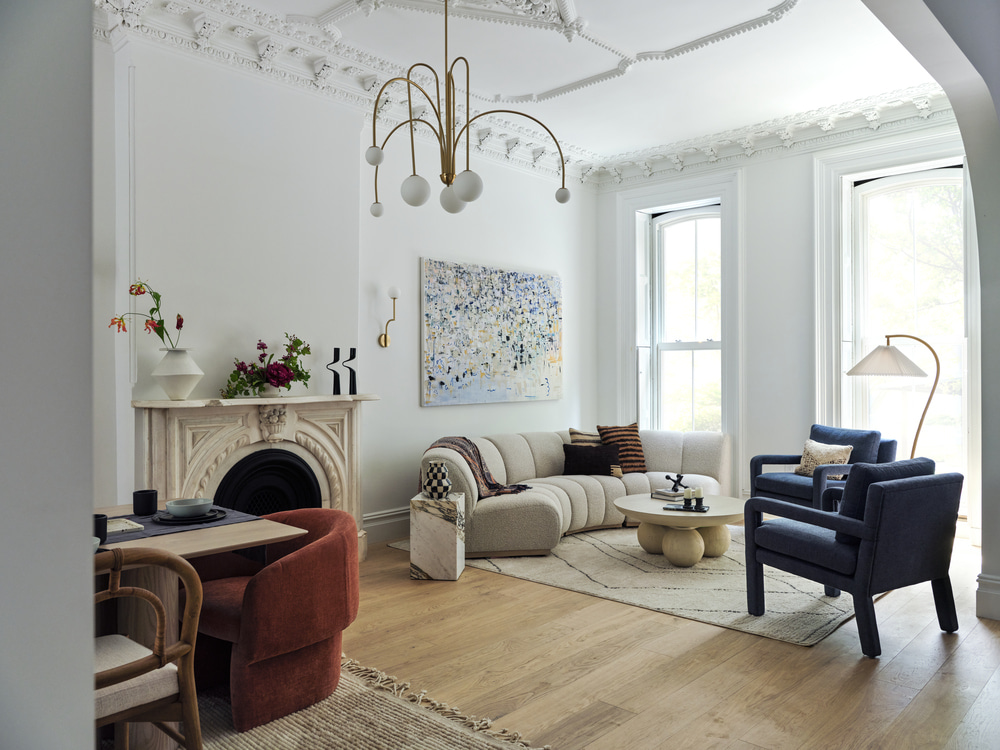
<point>630,455</point>
<point>855,497</point>
<point>585,459</point>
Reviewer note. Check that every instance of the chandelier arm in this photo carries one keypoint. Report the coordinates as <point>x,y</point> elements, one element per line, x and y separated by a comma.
<point>562,162</point>
<point>937,376</point>
<point>391,132</point>
<point>468,106</point>
<point>408,83</point>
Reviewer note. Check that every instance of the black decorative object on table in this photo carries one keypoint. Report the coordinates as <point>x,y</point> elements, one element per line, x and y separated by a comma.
<point>354,376</point>
<point>352,384</point>
<point>689,508</point>
<point>676,482</point>
<point>336,375</point>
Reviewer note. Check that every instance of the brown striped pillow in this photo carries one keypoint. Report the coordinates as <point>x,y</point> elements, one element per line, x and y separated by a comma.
<point>579,437</point>
<point>630,455</point>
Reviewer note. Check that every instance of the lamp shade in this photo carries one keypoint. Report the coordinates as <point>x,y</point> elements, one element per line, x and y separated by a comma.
<point>887,360</point>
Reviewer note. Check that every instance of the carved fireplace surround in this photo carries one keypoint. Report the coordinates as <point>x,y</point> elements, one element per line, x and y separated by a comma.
<point>187,447</point>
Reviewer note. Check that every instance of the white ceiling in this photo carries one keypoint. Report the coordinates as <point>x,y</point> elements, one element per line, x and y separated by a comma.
<point>798,56</point>
<point>617,81</point>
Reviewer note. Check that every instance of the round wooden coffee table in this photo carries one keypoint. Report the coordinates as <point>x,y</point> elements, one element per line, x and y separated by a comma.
<point>682,536</point>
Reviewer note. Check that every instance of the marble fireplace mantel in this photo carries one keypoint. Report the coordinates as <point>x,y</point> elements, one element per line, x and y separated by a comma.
<point>186,447</point>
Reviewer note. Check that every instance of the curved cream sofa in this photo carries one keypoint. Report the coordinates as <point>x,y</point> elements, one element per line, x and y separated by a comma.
<point>533,521</point>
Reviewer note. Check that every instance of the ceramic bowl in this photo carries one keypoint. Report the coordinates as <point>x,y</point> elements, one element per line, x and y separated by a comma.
<point>97,543</point>
<point>197,506</point>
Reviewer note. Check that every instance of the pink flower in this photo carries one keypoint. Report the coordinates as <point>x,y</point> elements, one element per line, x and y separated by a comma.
<point>151,326</point>
<point>120,322</point>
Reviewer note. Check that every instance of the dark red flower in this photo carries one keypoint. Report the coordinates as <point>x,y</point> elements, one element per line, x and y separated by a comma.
<point>180,322</point>
<point>279,375</point>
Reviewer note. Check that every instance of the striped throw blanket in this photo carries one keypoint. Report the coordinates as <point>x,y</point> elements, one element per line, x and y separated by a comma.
<point>488,486</point>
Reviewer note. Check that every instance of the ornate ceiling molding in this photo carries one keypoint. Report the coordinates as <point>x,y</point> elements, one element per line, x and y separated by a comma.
<point>310,59</point>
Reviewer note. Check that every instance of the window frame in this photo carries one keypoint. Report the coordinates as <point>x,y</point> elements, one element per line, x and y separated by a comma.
<point>657,303</point>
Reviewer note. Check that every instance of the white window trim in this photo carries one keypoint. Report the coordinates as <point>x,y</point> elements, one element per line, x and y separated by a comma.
<point>834,174</point>
<point>727,187</point>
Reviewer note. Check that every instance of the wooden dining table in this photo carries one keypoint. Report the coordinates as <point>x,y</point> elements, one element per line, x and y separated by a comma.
<point>136,617</point>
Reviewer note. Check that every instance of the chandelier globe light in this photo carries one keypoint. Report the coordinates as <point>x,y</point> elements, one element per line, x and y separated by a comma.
<point>460,188</point>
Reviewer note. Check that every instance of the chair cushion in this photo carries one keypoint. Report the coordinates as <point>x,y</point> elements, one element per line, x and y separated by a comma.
<point>584,459</point>
<point>817,454</point>
<point>113,651</point>
<point>630,455</point>
<point>804,541</point>
<point>221,605</point>
<point>852,504</point>
<point>865,442</point>
<point>785,483</point>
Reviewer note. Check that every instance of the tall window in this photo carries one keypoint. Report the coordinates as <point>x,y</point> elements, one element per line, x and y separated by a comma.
<point>905,273</point>
<point>680,279</point>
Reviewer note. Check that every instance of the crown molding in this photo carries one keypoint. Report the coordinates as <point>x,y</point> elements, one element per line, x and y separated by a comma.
<point>912,109</point>
<point>311,59</point>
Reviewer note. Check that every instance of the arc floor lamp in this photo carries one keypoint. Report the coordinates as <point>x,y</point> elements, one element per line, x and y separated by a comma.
<point>886,359</point>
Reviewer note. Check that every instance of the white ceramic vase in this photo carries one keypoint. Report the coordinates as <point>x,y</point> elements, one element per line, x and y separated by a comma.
<point>177,374</point>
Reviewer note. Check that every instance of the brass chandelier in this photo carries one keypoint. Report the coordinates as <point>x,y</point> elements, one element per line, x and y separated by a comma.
<point>459,188</point>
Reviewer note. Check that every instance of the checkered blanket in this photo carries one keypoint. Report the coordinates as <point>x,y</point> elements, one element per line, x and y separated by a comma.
<point>488,486</point>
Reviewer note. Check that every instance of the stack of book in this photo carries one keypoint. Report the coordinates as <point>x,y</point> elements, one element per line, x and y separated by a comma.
<point>663,494</point>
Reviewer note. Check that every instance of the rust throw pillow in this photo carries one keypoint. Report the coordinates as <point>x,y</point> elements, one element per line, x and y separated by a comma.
<point>630,455</point>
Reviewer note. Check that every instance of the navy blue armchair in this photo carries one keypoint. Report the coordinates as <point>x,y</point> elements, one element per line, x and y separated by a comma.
<point>895,527</point>
<point>795,488</point>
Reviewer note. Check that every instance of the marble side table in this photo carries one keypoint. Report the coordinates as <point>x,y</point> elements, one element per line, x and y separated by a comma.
<point>437,537</point>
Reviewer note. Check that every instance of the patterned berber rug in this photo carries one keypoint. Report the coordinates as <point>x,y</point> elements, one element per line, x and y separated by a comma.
<point>369,711</point>
<point>610,564</point>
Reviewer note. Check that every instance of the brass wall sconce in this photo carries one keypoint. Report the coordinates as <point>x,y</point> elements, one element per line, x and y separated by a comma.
<point>383,338</point>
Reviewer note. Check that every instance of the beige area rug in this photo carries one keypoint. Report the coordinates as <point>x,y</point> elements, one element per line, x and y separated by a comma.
<point>369,711</point>
<point>610,564</point>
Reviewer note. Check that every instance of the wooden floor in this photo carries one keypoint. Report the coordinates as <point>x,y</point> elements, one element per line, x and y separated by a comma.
<point>572,671</point>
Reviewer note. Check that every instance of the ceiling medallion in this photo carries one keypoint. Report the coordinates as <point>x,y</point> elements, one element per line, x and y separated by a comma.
<point>459,188</point>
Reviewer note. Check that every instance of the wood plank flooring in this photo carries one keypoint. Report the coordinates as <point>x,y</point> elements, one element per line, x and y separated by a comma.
<point>580,673</point>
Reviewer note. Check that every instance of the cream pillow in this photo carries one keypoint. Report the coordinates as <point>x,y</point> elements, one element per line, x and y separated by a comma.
<point>816,454</point>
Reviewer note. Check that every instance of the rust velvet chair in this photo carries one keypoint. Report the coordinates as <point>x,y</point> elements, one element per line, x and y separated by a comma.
<point>279,625</point>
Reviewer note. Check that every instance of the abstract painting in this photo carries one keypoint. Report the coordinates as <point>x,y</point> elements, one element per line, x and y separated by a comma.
<point>490,335</point>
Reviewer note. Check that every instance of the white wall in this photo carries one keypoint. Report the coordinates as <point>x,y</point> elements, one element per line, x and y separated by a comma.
<point>250,221</point>
<point>516,224</point>
<point>245,203</point>
<point>46,636</point>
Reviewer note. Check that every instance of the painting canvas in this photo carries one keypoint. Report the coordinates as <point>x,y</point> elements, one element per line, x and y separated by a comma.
<point>490,335</point>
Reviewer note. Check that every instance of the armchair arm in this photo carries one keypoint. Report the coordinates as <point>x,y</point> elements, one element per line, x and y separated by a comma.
<point>304,597</point>
<point>756,506</point>
<point>757,464</point>
<point>820,475</point>
<point>768,459</point>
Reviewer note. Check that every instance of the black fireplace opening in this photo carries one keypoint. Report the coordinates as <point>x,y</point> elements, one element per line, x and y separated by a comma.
<point>269,481</point>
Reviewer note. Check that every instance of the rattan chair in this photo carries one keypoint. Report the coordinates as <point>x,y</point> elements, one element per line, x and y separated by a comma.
<point>134,683</point>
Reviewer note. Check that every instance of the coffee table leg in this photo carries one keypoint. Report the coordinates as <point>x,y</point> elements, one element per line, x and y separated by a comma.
<point>650,537</point>
<point>683,547</point>
<point>716,538</point>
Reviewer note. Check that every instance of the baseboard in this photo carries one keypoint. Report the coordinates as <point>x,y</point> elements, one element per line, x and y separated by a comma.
<point>387,525</point>
<point>988,597</point>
